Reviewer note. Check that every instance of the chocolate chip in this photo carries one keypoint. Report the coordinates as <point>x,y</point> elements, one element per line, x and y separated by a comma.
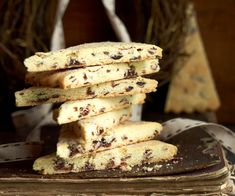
<point>141,84</point>
<point>21,93</point>
<point>75,109</point>
<point>84,111</point>
<point>116,56</point>
<point>112,140</point>
<point>156,133</point>
<point>106,52</point>
<point>89,91</point>
<point>108,70</point>
<point>122,164</point>
<point>104,143</point>
<point>139,49</point>
<point>147,154</point>
<point>95,142</point>
<point>96,69</point>
<point>71,77</point>
<point>153,48</point>
<point>124,137</point>
<point>59,164</point>
<point>73,80</point>
<point>74,62</point>
<point>100,130</point>
<point>84,76</point>
<point>129,88</point>
<point>125,158</point>
<point>113,84</point>
<point>151,52</point>
<point>54,66</point>
<point>110,164</point>
<point>122,117</point>
<point>102,110</point>
<point>89,166</point>
<point>106,93</point>
<point>130,72</point>
<point>124,101</point>
<point>74,149</point>
<point>93,54</point>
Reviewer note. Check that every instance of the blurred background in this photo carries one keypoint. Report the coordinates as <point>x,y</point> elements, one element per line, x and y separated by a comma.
<point>27,26</point>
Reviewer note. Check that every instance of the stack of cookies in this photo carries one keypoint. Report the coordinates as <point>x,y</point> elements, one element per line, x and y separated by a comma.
<point>97,84</point>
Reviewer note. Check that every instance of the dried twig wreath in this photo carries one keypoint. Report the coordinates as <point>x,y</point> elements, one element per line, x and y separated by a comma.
<point>26,27</point>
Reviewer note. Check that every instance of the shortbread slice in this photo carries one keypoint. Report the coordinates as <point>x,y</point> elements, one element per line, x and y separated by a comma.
<point>41,95</point>
<point>76,110</point>
<point>92,54</point>
<point>123,157</point>
<point>129,132</point>
<point>79,77</point>
<point>90,129</point>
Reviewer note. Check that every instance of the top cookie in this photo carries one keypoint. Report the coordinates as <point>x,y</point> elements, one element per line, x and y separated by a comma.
<point>92,54</point>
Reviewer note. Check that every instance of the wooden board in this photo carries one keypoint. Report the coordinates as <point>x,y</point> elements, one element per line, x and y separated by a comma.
<point>197,168</point>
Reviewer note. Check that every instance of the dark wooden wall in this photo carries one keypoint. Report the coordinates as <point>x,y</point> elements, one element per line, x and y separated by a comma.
<point>85,21</point>
<point>217,22</point>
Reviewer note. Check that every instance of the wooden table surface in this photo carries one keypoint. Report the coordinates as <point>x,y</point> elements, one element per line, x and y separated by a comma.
<point>191,171</point>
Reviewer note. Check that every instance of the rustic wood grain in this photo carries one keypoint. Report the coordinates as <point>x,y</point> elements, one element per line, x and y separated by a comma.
<point>86,21</point>
<point>208,183</point>
<point>19,178</point>
<point>217,25</point>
